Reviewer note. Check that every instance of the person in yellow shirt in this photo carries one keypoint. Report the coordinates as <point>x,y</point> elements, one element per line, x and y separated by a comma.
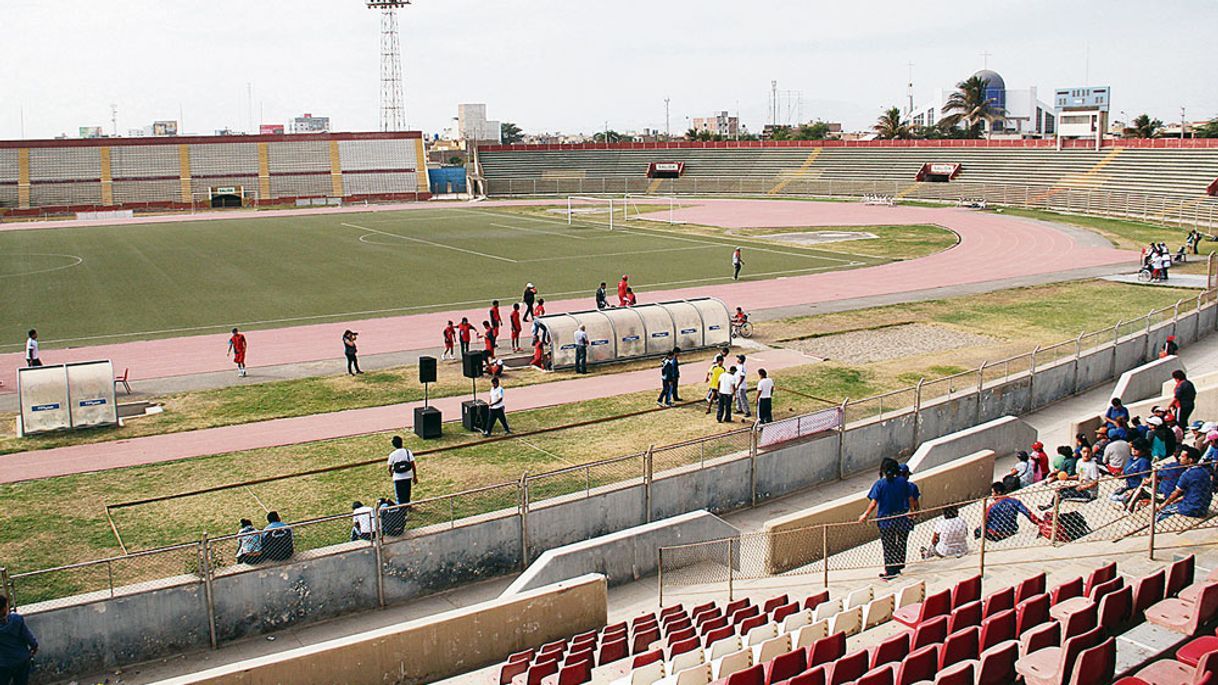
<point>712,379</point>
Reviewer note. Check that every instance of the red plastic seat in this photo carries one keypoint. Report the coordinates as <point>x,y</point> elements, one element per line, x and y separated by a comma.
<point>960,646</point>
<point>816,600</point>
<point>938,604</point>
<point>526,655</point>
<point>584,636</point>
<point>816,676</point>
<point>733,607</point>
<point>1116,610</point>
<point>678,625</point>
<point>512,669</point>
<point>751,623</point>
<point>959,674</point>
<point>719,633</point>
<point>919,665</point>
<point>773,603</point>
<point>702,618</point>
<point>1172,672</point>
<point>680,636</point>
<point>967,590</point>
<point>1080,622</point>
<point>557,645</point>
<point>539,671</point>
<point>1031,612</point>
<point>848,668</point>
<point>644,620</point>
<point>1192,652</point>
<point>891,650</point>
<point>1068,589</point>
<point>998,628</point>
<point>684,646</point>
<point>612,650</point>
<point>1182,617</point>
<point>1100,575</point>
<point>576,656</point>
<point>826,650</point>
<point>642,660</point>
<point>754,675</point>
<point>1030,587</point>
<point>784,611</point>
<point>786,666</point>
<point>1148,590</point>
<point>616,627</point>
<point>997,664</point>
<point>1097,665</point>
<point>931,632</point>
<point>1180,575</point>
<point>744,613</point>
<point>884,675</point>
<point>671,611</point>
<point>1041,637</point>
<point>1053,665</point>
<point>964,616</point>
<point>715,624</point>
<point>700,609</point>
<point>998,602</point>
<point>643,639</point>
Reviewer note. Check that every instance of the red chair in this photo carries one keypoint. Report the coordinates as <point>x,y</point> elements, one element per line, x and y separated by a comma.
<point>932,632</point>
<point>964,616</point>
<point>700,609</point>
<point>1053,665</point>
<point>671,611</point>
<point>616,627</point>
<point>884,675</point>
<point>702,618</point>
<point>684,646</point>
<point>1176,673</point>
<point>773,603</point>
<point>997,664</point>
<point>1068,589</point>
<point>1031,613</point>
<point>816,676</point>
<point>715,624</point>
<point>967,590</point>
<point>784,611</point>
<point>1030,587</point>
<point>1116,610</point>
<point>816,600</point>
<point>612,650</point>
<point>826,650</point>
<point>1100,575</point>
<point>1148,590</point>
<point>512,669</point>
<point>848,668</point>
<point>648,658</point>
<point>998,628</point>
<point>718,634</point>
<point>891,650</point>
<point>678,625</point>
<point>960,674</point>
<point>958,647</point>
<point>1097,665</point>
<point>1041,637</point>
<point>577,655</point>
<point>122,380</point>
<point>644,621</point>
<point>754,675</point>
<point>1192,652</point>
<point>1080,622</point>
<point>586,635</point>
<point>557,645</point>
<point>998,602</point>
<point>1180,575</point>
<point>751,623</point>
<point>1179,616</point>
<point>643,639</point>
<point>786,666</point>
<point>919,665</point>
<point>938,604</point>
<point>581,643</point>
<point>742,614</point>
<point>539,671</point>
<point>680,636</point>
<point>526,655</point>
<point>735,606</point>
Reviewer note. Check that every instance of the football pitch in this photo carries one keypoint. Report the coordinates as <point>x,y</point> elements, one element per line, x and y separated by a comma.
<point>94,285</point>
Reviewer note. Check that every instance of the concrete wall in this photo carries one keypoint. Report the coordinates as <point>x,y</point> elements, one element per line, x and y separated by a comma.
<point>1144,381</point>
<point>792,467</point>
<point>624,556</point>
<point>429,649</point>
<point>864,446</point>
<point>1004,436</point>
<point>1207,410</point>
<point>794,540</point>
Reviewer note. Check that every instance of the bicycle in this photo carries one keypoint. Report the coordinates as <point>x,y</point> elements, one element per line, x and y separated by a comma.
<point>743,329</point>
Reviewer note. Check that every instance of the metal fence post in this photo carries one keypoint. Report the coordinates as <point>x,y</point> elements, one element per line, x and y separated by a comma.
<point>205,569</point>
<point>1032,379</point>
<point>985,524</point>
<point>648,477</point>
<point>824,554</point>
<point>379,552</point>
<point>522,498</point>
<point>660,575</point>
<point>980,387</point>
<point>841,443</point>
<point>1116,342</point>
<point>1154,488</point>
<point>731,571</point>
<point>753,463</point>
<point>1078,358</point>
<point>1146,341</point>
<point>1056,519</point>
<point>917,427</point>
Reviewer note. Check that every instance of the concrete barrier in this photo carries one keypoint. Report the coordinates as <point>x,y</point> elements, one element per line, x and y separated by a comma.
<point>1201,380</point>
<point>1004,436</point>
<point>1206,410</point>
<point>795,540</point>
<point>624,556</point>
<point>1143,382</point>
<point>429,649</point>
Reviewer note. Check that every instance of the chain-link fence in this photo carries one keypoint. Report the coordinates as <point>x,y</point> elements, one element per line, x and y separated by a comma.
<point>128,574</point>
<point>669,459</point>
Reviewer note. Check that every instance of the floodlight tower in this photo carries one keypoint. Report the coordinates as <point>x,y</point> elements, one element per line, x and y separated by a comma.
<point>393,110</point>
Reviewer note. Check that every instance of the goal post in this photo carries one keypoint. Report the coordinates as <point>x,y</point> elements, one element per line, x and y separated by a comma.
<point>633,208</point>
<point>223,197</point>
<point>590,209</point>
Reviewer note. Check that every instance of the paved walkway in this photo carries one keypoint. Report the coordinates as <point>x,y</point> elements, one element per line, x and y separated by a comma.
<point>992,248</point>
<point>168,447</point>
<point>1198,281</point>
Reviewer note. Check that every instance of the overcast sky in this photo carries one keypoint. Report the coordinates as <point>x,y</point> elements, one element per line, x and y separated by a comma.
<point>571,65</point>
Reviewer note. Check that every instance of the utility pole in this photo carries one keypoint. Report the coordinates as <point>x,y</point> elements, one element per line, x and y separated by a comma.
<point>667,127</point>
<point>985,60</point>
<point>774,103</point>
<point>909,91</point>
<point>114,120</point>
<point>1182,122</point>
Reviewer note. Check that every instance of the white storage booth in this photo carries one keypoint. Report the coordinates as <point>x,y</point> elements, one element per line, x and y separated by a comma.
<point>650,330</point>
<point>66,396</point>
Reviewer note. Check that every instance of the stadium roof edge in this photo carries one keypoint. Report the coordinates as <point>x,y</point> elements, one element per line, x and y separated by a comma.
<point>1040,143</point>
<point>207,140</point>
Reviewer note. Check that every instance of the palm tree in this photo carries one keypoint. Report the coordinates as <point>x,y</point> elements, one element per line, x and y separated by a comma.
<point>890,126</point>
<point>1143,126</point>
<point>1207,130</point>
<point>970,105</point>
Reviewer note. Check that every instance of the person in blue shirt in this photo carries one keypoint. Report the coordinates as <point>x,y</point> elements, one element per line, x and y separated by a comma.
<point>249,543</point>
<point>1002,517</point>
<point>277,542</point>
<point>1169,473</point>
<point>1193,493</point>
<point>891,499</point>
<point>17,646</point>
<point>1115,412</point>
<point>1136,469</point>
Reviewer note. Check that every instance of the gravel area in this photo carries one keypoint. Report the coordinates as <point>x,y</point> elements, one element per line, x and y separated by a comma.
<point>863,347</point>
<point>820,237</point>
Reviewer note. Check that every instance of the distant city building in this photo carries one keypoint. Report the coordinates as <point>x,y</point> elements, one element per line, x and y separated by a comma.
<point>721,124</point>
<point>1082,112</point>
<point>310,124</point>
<point>91,132</point>
<point>1024,115</point>
<point>164,128</point>
<point>472,124</point>
<point>271,129</point>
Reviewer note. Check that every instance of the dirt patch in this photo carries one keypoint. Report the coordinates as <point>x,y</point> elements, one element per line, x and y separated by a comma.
<point>893,342</point>
<point>821,237</point>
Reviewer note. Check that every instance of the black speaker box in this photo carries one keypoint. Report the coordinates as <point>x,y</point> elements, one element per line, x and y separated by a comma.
<point>427,422</point>
<point>427,369</point>
<point>474,415</point>
<point>471,364</point>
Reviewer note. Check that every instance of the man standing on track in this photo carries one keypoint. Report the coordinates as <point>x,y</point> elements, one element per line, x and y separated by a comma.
<point>488,335</point>
<point>676,375</point>
<point>236,348</point>
<point>464,332</point>
<point>737,262</point>
<point>727,392</point>
<point>622,286</point>
<point>495,317</point>
<point>516,326</point>
<point>712,382</point>
<point>529,296</point>
<point>31,349</point>
<point>450,337</point>
<point>497,408</point>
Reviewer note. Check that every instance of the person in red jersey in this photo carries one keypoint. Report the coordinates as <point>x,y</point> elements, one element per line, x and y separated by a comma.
<point>631,300</point>
<point>622,286</point>
<point>465,331</point>
<point>495,317</point>
<point>539,309</point>
<point>488,336</point>
<point>236,348</point>
<point>450,337</point>
<point>516,327</point>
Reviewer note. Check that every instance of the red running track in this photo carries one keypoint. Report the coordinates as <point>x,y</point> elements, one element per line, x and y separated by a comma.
<point>991,248</point>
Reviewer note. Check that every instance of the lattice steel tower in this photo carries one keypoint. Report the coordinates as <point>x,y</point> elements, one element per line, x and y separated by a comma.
<point>393,108</point>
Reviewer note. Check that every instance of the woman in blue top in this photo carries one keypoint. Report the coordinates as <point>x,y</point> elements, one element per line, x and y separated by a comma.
<point>17,646</point>
<point>891,497</point>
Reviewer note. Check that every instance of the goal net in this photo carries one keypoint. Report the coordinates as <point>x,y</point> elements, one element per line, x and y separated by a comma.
<point>590,210</point>
<point>661,208</point>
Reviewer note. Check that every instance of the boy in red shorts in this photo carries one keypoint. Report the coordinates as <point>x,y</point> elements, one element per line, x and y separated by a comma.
<point>236,348</point>
<point>516,326</point>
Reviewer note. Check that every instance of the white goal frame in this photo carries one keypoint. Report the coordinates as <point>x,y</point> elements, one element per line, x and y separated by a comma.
<point>629,201</point>
<point>572,199</point>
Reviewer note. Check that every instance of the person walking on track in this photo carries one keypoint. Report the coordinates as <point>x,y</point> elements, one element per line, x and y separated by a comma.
<point>622,286</point>
<point>514,321</point>
<point>450,337</point>
<point>350,350</point>
<point>236,348</point>
<point>737,262</point>
<point>465,331</point>
<point>31,349</point>
<point>529,297</point>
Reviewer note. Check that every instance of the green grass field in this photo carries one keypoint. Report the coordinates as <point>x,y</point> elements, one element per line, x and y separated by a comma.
<point>91,285</point>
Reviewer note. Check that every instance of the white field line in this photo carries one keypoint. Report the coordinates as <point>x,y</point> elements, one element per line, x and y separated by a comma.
<point>433,244</point>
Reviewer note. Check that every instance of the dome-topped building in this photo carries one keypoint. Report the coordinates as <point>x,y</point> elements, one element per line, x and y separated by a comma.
<point>1024,115</point>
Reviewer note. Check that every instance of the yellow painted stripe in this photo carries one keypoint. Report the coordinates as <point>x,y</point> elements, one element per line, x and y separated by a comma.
<point>107,178</point>
<point>23,178</point>
<point>336,170</point>
<point>264,172</point>
<point>184,172</point>
<point>907,190</point>
<point>803,169</point>
<point>1081,178</point>
<point>654,185</point>
<point>423,185</point>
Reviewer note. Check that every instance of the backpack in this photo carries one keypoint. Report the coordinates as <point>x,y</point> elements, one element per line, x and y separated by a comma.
<point>1071,527</point>
<point>393,521</point>
<point>403,466</point>
<point>277,543</point>
<point>1011,483</point>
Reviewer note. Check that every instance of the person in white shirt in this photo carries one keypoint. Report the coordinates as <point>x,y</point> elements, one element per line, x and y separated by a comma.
<point>404,470</point>
<point>31,349</point>
<point>742,387</point>
<point>950,538</point>
<point>361,521</point>
<point>497,409</point>
<point>581,350</point>
<point>765,397</point>
<point>1087,473</point>
<point>727,393</point>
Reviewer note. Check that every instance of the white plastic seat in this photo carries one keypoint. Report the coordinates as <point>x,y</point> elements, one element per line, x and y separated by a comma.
<point>760,634</point>
<point>796,620</point>
<point>849,622</point>
<point>828,609</point>
<point>695,675</point>
<point>878,611</point>
<point>686,660</point>
<point>771,648</point>
<point>723,647</point>
<point>812,632</point>
<point>859,597</point>
<point>643,675</point>
<point>733,663</point>
<point>911,594</point>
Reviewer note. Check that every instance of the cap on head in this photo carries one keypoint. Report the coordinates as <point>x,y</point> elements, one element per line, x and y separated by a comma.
<point>1038,445</point>
<point>1155,421</point>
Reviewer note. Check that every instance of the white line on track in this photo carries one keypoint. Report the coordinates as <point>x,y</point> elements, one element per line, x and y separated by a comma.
<point>433,244</point>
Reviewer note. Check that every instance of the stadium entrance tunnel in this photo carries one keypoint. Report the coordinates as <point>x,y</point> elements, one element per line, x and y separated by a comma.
<point>225,201</point>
